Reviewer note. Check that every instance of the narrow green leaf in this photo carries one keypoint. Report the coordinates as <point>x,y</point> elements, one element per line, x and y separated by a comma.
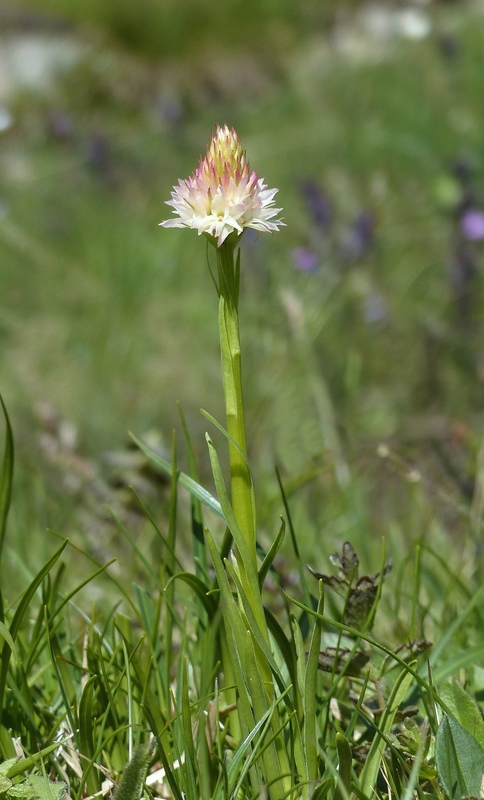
<point>200,589</point>
<point>199,547</point>
<point>6,476</point>
<point>235,444</point>
<point>189,767</point>
<point>17,620</point>
<point>344,767</point>
<point>322,790</point>
<point>309,697</point>
<point>271,554</point>
<point>58,671</point>
<point>120,585</point>
<point>159,727</point>
<point>254,628</point>
<point>86,735</point>
<point>19,767</point>
<point>169,566</point>
<point>235,633</point>
<point>356,634</point>
<point>62,668</point>
<point>228,514</point>
<point>146,610</point>
<point>240,762</point>
<point>5,634</point>
<point>300,658</point>
<point>286,647</point>
<point>456,581</point>
<point>456,625</point>
<point>262,706</point>
<point>372,764</point>
<point>464,658</point>
<point>184,480</point>
<point>129,697</point>
<point>295,546</point>
<point>150,569</point>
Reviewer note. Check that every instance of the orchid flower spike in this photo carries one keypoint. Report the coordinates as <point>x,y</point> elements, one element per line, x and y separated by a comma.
<point>223,196</point>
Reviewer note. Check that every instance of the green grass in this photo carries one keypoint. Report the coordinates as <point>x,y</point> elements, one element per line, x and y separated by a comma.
<point>111,320</point>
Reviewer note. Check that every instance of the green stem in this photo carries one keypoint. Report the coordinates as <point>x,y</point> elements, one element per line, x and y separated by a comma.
<point>241,487</point>
<point>240,478</point>
<point>243,502</point>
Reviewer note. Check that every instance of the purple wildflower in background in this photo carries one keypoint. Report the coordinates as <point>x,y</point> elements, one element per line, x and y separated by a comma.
<point>449,46</point>
<point>304,259</point>
<point>98,153</point>
<point>375,309</point>
<point>170,108</point>
<point>472,225</point>
<point>359,237</point>
<point>60,124</point>
<point>318,203</point>
<point>462,169</point>
<point>463,269</point>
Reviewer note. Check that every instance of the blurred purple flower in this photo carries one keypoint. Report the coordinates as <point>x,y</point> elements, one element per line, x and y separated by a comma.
<point>463,169</point>
<point>170,109</point>
<point>304,259</point>
<point>61,125</point>
<point>318,203</point>
<point>375,309</point>
<point>359,237</point>
<point>463,269</point>
<point>97,154</point>
<point>472,225</point>
<point>449,46</point>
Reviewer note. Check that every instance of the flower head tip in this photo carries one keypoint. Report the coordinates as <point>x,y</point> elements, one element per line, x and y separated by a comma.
<point>223,196</point>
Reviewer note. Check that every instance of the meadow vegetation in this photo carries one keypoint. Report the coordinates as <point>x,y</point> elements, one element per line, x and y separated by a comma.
<point>361,324</point>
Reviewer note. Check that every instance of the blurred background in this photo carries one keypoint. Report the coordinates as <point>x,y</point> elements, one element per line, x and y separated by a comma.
<point>361,321</point>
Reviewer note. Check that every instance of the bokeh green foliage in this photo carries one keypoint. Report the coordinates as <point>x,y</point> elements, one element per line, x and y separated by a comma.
<point>169,27</point>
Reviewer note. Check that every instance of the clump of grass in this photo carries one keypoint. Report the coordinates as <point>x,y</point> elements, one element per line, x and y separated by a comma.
<point>83,695</point>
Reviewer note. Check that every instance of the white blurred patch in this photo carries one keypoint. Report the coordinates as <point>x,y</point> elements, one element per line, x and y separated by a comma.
<point>6,119</point>
<point>413,23</point>
<point>382,22</point>
<point>33,61</point>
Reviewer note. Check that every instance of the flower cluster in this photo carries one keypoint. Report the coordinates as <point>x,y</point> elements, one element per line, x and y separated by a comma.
<point>223,196</point>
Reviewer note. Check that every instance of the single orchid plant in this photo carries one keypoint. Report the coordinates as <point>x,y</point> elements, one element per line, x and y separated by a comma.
<point>220,200</point>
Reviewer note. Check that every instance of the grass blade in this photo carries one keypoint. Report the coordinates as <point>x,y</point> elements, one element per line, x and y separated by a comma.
<point>6,477</point>
<point>311,746</point>
<point>375,755</point>
<point>86,734</point>
<point>271,554</point>
<point>199,547</point>
<point>184,480</point>
<point>200,589</point>
<point>18,619</point>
